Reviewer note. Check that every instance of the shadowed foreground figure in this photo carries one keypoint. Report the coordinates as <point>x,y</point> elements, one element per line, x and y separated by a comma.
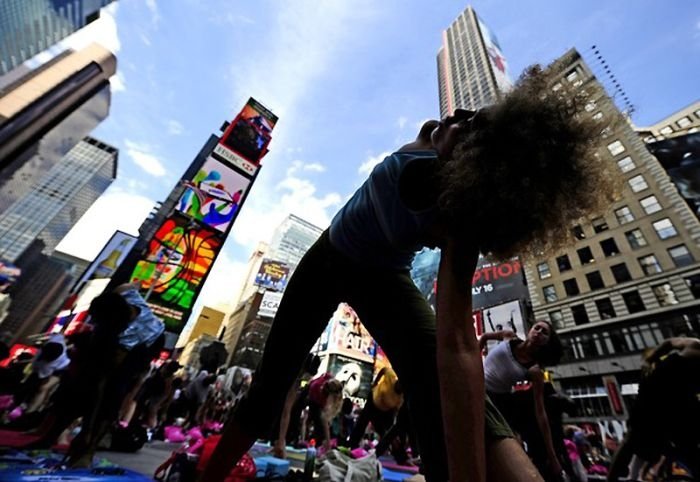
<point>503,180</point>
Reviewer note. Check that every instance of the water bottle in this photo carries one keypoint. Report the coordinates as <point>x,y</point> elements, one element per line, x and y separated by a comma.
<point>310,463</point>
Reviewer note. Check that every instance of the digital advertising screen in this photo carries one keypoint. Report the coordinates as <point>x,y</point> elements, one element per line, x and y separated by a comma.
<point>272,275</point>
<point>214,195</point>
<point>171,273</point>
<point>349,336</point>
<point>355,375</point>
<point>680,156</point>
<point>109,258</point>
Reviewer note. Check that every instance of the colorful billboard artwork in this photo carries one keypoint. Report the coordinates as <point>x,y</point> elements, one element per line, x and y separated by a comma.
<point>496,58</point>
<point>214,195</point>
<point>178,258</point>
<point>109,258</point>
<point>349,336</point>
<point>272,275</point>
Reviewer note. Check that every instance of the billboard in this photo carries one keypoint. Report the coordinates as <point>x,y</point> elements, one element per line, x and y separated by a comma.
<point>171,272</point>
<point>355,375</point>
<point>109,258</point>
<point>272,275</point>
<point>507,316</point>
<point>499,66</point>
<point>245,141</point>
<point>214,195</point>
<point>496,283</point>
<point>9,274</point>
<point>680,156</point>
<point>348,336</point>
<point>75,311</point>
<point>269,303</point>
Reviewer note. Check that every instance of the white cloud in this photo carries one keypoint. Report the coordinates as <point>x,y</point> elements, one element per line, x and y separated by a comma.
<point>369,164</point>
<point>402,122</point>
<point>315,167</point>
<point>292,195</point>
<point>118,82</point>
<point>144,38</point>
<point>223,282</point>
<point>103,31</point>
<point>117,209</point>
<point>175,128</point>
<point>142,157</point>
<point>153,8</point>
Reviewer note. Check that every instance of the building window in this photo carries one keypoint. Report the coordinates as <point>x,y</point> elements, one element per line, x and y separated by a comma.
<point>633,301</point>
<point>580,315</point>
<point>585,255</point>
<point>605,308</point>
<point>636,239</point>
<point>666,130</point>
<point>563,263</point>
<point>684,122</point>
<point>597,116</point>
<point>556,318</point>
<point>650,204</point>
<point>620,272</point>
<point>571,287</point>
<point>680,256</point>
<point>626,164</point>
<point>556,87</point>
<point>638,183</point>
<point>665,295</point>
<point>624,215</point>
<point>578,232</point>
<point>595,281</point>
<point>550,294</point>
<point>649,264</point>
<point>664,228</point>
<point>609,247</point>
<point>590,107</point>
<point>616,147</point>
<point>599,225</point>
<point>572,75</point>
<point>693,283</point>
<point>543,270</point>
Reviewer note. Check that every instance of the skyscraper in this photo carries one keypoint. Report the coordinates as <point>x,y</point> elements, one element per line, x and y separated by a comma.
<point>46,113</point>
<point>292,238</point>
<point>28,27</point>
<point>33,225</point>
<point>58,199</point>
<point>472,71</point>
<point>631,279</point>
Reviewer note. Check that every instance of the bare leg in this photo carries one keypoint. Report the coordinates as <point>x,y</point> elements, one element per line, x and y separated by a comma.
<point>506,461</point>
<point>280,448</point>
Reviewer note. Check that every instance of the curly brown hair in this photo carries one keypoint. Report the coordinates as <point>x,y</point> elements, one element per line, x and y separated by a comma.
<point>525,170</point>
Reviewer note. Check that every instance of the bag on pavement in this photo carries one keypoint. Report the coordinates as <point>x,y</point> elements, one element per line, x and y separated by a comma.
<point>338,467</point>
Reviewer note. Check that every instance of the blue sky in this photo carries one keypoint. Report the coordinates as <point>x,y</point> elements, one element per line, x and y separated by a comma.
<point>350,81</point>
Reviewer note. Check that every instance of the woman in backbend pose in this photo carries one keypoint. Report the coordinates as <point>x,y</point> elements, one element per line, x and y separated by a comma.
<point>503,180</point>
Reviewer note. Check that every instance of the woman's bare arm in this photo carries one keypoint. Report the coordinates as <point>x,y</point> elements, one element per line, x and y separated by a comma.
<point>460,371</point>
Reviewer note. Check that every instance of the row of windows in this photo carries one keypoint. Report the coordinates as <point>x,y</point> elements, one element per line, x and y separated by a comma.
<point>632,339</point>
<point>650,265</point>
<point>635,238</point>
<point>682,123</point>
<point>663,292</point>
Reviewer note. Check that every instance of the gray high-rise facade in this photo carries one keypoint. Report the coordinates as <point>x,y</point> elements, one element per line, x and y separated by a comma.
<point>472,71</point>
<point>58,199</point>
<point>31,228</point>
<point>28,27</point>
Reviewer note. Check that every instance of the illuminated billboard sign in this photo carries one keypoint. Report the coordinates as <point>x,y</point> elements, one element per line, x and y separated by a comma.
<point>214,195</point>
<point>499,66</point>
<point>245,141</point>
<point>109,258</point>
<point>272,275</point>
<point>175,264</point>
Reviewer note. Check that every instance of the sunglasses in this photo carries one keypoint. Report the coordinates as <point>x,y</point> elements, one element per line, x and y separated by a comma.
<point>461,115</point>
